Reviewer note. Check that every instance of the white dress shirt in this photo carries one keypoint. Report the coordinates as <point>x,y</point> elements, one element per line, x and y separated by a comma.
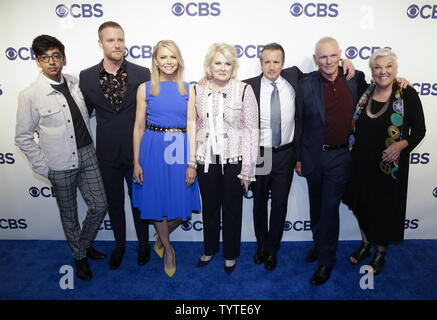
<point>288,108</point>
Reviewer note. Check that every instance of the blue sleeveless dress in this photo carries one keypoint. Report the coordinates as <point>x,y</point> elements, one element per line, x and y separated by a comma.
<point>163,157</point>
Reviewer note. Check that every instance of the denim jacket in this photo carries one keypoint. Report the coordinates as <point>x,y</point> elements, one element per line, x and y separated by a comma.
<point>45,110</point>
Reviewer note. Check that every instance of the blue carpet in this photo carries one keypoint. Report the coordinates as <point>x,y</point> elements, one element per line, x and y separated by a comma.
<point>30,270</point>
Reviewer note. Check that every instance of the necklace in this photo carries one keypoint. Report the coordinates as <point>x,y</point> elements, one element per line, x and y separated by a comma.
<point>380,112</point>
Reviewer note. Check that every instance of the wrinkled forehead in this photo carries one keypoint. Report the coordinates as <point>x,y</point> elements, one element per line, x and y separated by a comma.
<point>327,47</point>
<point>384,60</point>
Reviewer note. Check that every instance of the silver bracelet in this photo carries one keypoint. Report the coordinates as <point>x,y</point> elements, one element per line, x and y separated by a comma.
<point>192,164</point>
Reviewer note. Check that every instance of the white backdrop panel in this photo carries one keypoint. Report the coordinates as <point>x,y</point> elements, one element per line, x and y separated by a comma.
<point>28,207</point>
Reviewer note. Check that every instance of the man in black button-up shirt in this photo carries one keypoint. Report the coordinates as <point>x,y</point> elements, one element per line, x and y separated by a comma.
<point>110,89</point>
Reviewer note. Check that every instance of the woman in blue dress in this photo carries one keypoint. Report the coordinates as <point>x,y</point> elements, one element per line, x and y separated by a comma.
<point>165,189</point>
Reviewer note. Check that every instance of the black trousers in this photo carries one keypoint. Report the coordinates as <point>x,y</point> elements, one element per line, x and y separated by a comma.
<point>114,173</point>
<point>221,193</point>
<point>326,186</point>
<point>269,232</point>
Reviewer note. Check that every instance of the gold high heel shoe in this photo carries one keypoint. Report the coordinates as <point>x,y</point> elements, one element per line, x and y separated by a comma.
<point>159,252</point>
<point>171,272</point>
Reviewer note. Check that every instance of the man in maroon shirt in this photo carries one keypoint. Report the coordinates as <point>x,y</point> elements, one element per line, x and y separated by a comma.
<point>328,102</point>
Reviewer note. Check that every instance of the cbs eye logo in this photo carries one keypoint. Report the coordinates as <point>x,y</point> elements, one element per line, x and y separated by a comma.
<point>434,192</point>
<point>22,53</point>
<point>186,226</point>
<point>84,10</point>
<point>250,51</point>
<point>195,225</point>
<point>314,10</point>
<point>426,11</point>
<point>11,53</point>
<point>364,52</point>
<point>196,9</point>
<point>61,11</point>
<point>45,192</point>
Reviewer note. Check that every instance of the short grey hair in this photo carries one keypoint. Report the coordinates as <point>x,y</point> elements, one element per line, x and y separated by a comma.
<point>383,52</point>
<point>323,40</point>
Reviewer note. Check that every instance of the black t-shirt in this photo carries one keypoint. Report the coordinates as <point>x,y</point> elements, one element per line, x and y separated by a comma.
<point>83,137</point>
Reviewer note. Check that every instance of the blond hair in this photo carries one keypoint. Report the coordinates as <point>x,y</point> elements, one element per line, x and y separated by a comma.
<point>108,24</point>
<point>225,49</point>
<point>155,81</point>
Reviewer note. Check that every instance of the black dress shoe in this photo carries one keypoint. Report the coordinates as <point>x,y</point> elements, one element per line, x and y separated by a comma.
<point>143,254</point>
<point>202,263</point>
<point>260,256</point>
<point>321,275</point>
<point>93,254</point>
<point>378,262</point>
<point>231,269</point>
<point>83,270</point>
<point>270,262</point>
<point>361,253</point>
<point>312,254</point>
<point>116,257</point>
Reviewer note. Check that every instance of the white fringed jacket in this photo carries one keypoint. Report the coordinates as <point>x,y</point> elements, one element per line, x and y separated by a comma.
<point>227,125</point>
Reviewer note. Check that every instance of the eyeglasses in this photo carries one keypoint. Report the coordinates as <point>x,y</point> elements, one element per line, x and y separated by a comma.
<point>56,58</point>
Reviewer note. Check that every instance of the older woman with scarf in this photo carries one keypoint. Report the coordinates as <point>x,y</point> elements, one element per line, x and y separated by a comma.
<point>387,125</point>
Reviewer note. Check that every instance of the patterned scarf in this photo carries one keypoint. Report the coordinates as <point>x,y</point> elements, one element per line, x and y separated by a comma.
<point>394,130</point>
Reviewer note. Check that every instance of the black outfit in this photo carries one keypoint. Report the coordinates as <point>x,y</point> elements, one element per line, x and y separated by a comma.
<point>114,145</point>
<point>378,200</point>
<point>279,180</point>
<point>221,191</point>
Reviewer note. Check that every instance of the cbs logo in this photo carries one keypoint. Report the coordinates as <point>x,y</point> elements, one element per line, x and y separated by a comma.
<point>250,51</point>
<point>106,225</point>
<point>45,192</point>
<point>417,158</point>
<point>364,52</point>
<point>434,192</point>
<point>1,91</point>
<point>200,9</point>
<point>139,52</point>
<point>427,11</point>
<point>426,89</point>
<point>196,225</point>
<point>22,53</point>
<point>320,10</point>
<point>297,225</point>
<point>13,224</point>
<point>411,224</point>
<point>7,158</point>
<point>83,10</point>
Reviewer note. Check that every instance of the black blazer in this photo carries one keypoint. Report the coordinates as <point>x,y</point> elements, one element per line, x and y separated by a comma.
<point>114,129</point>
<point>292,75</point>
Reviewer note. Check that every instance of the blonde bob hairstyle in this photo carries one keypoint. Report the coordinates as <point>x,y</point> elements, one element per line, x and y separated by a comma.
<point>155,81</point>
<point>225,49</point>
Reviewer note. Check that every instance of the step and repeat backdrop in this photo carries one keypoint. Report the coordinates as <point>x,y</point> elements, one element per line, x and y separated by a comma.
<point>28,207</point>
